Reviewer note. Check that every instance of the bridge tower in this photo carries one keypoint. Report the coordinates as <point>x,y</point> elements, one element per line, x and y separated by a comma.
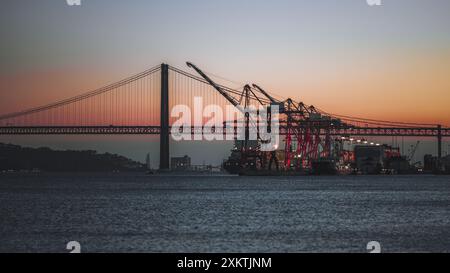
<point>164,153</point>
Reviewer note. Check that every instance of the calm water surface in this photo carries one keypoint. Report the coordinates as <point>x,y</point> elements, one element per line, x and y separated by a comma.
<point>138,213</point>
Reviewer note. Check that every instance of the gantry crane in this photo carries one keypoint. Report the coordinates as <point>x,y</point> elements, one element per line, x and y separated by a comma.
<point>250,154</point>
<point>302,124</point>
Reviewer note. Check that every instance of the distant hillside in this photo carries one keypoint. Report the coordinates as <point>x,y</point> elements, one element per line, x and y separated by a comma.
<point>13,157</point>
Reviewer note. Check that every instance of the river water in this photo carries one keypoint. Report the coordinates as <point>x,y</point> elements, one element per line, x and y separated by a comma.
<point>139,213</point>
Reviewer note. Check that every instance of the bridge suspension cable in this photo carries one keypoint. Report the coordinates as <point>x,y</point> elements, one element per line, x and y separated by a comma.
<point>136,102</point>
<point>84,96</point>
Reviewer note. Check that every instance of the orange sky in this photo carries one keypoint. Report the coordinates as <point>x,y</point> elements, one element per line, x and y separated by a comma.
<point>412,89</point>
<point>390,62</point>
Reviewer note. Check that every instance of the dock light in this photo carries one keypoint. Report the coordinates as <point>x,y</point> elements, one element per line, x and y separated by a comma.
<point>365,142</point>
<point>351,139</point>
<point>371,143</point>
<point>378,144</point>
<point>359,141</point>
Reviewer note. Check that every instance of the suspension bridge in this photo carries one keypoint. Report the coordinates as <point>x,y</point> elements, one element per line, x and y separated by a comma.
<point>141,104</point>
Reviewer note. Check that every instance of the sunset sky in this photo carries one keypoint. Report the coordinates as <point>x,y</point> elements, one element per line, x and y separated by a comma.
<point>389,62</point>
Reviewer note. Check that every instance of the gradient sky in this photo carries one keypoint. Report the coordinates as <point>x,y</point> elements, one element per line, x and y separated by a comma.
<point>388,62</point>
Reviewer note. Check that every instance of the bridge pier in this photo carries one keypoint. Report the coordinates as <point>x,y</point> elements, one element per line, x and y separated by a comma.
<point>164,153</point>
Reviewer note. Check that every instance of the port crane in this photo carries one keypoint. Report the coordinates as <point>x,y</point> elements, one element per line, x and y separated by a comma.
<point>251,156</point>
<point>304,127</point>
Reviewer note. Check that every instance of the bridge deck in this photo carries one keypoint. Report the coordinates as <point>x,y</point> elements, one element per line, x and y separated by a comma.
<point>156,130</point>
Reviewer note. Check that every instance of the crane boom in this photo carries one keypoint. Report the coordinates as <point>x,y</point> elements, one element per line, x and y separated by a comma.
<point>231,99</point>
<point>273,101</point>
<point>249,119</point>
<point>213,84</point>
<point>262,91</point>
<point>413,152</point>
